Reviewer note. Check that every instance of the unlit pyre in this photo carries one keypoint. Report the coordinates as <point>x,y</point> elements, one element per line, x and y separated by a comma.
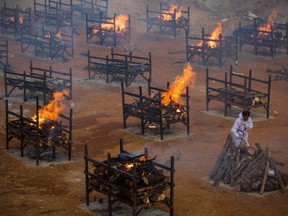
<point>248,169</point>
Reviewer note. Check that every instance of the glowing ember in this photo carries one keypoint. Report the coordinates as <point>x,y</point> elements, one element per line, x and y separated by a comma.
<point>51,111</point>
<point>270,23</point>
<point>178,86</point>
<point>168,16</point>
<point>11,19</point>
<point>20,20</point>
<point>48,35</point>
<point>214,36</point>
<point>120,24</point>
<point>58,34</point>
<point>129,166</point>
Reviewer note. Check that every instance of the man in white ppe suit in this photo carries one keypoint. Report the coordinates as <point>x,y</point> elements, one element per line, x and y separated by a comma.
<point>241,127</point>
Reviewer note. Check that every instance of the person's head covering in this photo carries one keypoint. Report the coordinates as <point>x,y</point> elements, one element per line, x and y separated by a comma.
<point>246,113</point>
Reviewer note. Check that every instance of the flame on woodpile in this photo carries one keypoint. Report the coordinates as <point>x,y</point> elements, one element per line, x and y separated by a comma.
<point>58,34</point>
<point>214,36</point>
<point>51,111</point>
<point>174,8</point>
<point>129,166</point>
<point>178,86</point>
<point>267,27</point>
<point>20,20</point>
<point>120,24</point>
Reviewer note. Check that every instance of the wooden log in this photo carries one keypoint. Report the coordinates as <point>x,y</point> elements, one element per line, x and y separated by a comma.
<point>221,157</point>
<point>225,168</point>
<point>256,161</point>
<point>258,146</point>
<point>264,177</point>
<point>278,176</point>
<point>235,167</point>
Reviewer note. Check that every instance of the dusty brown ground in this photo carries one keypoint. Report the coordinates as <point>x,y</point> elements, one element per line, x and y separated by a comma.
<point>60,189</point>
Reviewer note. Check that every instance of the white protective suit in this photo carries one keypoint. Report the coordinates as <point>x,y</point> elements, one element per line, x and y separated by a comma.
<point>240,130</point>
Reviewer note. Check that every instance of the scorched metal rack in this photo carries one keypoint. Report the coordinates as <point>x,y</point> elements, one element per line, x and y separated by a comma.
<point>108,31</point>
<point>239,90</point>
<point>271,41</point>
<point>150,110</point>
<point>43,80</point>
<point>15,20</point>
<point>132,179</point>
<point>51,134</point>
<point>205,48</point>
<point>120,67</point>
<point>174,19</point>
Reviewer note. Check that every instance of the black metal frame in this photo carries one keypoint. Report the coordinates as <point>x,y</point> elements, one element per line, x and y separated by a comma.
<point>104,36</point>
<point>16,129</point>
<point>120,67</point>
<point>47,44</point>
<point>37,81</point>
<point>13,20</point>
<point>138,110</point>
<point>4,55</point>
<point>132,194</point>
<point>92,8</point>
<point>54,12</point>
<point>227,48</point>
<point>238,91</point>
<point>153,19</point>
<point>273,40</point>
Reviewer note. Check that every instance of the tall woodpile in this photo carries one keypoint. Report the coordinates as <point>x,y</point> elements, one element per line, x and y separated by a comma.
<point>248,169</point>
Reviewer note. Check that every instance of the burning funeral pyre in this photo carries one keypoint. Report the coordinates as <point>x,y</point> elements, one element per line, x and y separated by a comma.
<point>42,130</point>
<point>212,45</point>
<point>162,107</point>
<point>108,30</point>
<point>133,179</point>
<point>214,36</point>
<point>173,18</point>
<point>248,169</point>
<point>266,37</point>
<point>120,24</point>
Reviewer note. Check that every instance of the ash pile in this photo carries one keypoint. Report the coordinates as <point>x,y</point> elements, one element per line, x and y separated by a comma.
<point>248,169</point>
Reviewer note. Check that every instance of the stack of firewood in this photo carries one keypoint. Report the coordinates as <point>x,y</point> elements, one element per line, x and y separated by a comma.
<point>51,133</point>
<point>151,108</point>
<point>248,169</point>
<point>147,182</point>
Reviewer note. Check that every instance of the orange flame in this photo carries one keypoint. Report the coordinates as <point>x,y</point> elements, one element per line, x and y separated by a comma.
<point>58,34</point>
<point>267,27</point>
<point>51,111</point>
<point>214,36</point>
<point>178,86</point>
<point>20,20</point>
<point>120,24</point>
<point>170,13</point>
<point>129,166</point>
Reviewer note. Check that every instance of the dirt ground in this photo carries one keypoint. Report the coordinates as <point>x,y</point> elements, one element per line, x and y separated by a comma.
<point>59,188</point>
